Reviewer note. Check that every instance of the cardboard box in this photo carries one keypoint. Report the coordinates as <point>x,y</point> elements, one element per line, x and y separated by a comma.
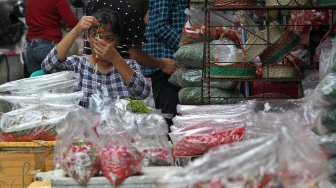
<point>18,161</point>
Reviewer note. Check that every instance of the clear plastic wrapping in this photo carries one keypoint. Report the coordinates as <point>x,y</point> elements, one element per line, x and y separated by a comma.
<point>76,147</point>
<point>215,109</point>
<point>44,98</point>
<point>199,138</point>
<point>34,116</point>
<point>328,144</point>
<point>327,63</point>
<point>35,122</point>
<point>61,82</point>
<point>287,158</point>
<point>118,158</point>
<point>325,92</point>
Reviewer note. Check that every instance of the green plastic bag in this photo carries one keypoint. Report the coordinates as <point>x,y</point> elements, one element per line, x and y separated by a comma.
<point>192,96</point>
<point>190,55</point>
<point>191,77</point>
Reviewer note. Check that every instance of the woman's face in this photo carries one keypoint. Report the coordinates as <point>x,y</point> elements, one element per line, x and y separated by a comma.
<point>106,35</point>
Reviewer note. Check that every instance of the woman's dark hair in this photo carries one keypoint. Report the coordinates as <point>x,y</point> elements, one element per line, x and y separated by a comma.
<point>106,16</point>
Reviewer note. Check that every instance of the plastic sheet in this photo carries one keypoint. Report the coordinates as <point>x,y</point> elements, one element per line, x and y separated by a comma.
<point>189,77</point>
<point>61,82</point>
<point>44,98</point>
<point>215,109</point>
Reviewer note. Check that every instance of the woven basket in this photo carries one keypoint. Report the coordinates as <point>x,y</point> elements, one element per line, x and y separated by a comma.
<point>238,70</point>
<point>257,43</point>
<point>287,2</point>
<point>279,71</point>
<point>278,50</point>
<point>235,3</point>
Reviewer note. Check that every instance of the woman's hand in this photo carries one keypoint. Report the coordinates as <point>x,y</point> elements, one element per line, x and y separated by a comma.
<point>85,23</point>
<point>105,50</point>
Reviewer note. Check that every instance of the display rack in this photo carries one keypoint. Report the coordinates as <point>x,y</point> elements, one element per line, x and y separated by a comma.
<point>281,47</point>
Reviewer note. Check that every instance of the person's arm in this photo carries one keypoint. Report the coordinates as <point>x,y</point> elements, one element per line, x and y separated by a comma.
<point>162,27</point>
<point>166,65</point>
<point>146,17</point>
<point>64,45</point>
<point>64,10</point>
<point>138,87</point>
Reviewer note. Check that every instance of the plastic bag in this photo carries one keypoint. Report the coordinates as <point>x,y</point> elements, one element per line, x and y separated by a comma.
<point>150,138</point>
<point>223,163</point>
<point>328,144</point>
<point>309,83</point>
<point>199,138</point>
<point>155,150</point>
<point>118,158</point>
<point>6,106</point>
<point>77,149</point>
<point>44,98</point>
<point>189,77</point>
<point>36,122</point>
<point>61,82</point>
<point>215,109</point>
<point>324,93</point>
<point>287,157</point>
<point>328,57</point>
<point>194,29</point>
<point>191,96</point>
<point>191,55</point>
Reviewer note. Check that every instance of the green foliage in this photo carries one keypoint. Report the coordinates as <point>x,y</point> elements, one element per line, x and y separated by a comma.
<point>137,106</point>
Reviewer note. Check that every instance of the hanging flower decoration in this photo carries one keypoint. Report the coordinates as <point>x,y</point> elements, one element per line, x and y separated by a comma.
<point>97,58</point>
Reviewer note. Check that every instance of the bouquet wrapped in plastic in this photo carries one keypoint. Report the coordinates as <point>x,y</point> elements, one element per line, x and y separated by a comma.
<point>77,151</point>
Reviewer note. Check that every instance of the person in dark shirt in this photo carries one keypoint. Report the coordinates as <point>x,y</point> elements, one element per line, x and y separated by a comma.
<point>164,28</point>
